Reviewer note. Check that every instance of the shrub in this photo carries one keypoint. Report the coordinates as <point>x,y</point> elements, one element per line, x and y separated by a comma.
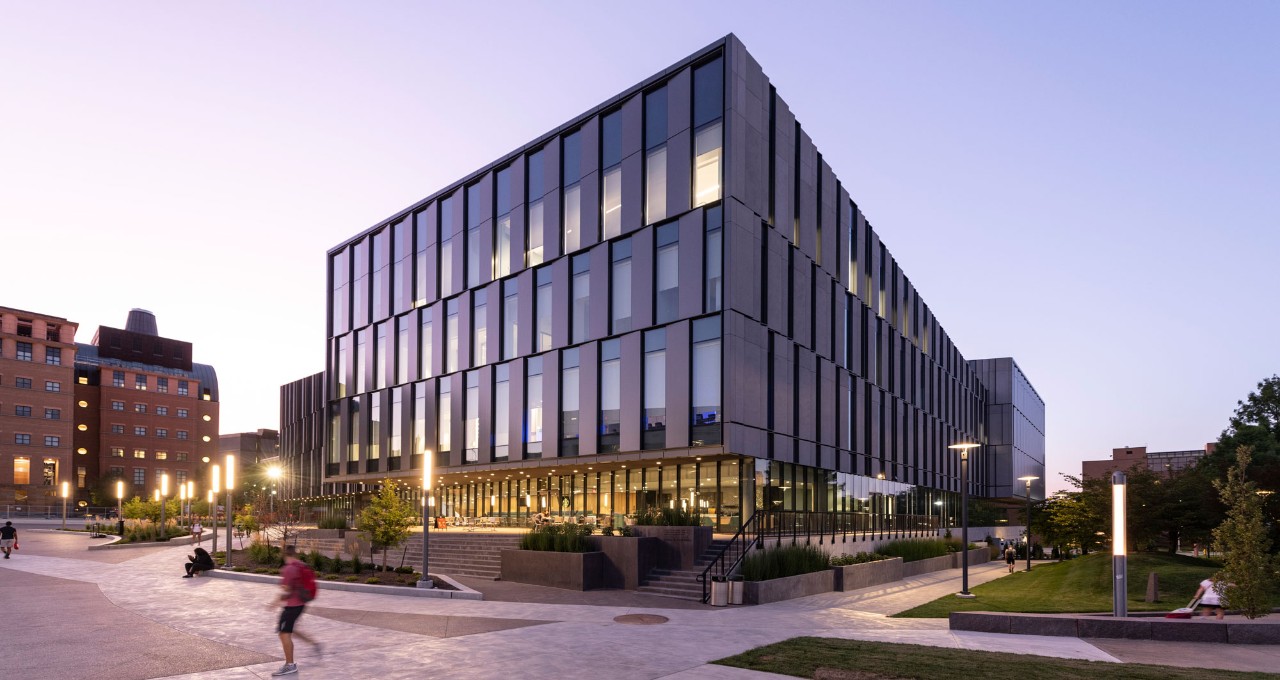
<point>404,570</point>
<point>261,570</point>
<point>860,558</point>
<point>912,550</point>
<point>332,522</point>
<point>790,560</point>
<point>557,538</point>
<point>351,579</point>
<point>356,565</point>
<point>262,553</point>
<point>666,517</point>
<point>607,530</point>
<point>314,560</point>
<point>329,577</point>
<point>373,580</point>
<point>626,531</point>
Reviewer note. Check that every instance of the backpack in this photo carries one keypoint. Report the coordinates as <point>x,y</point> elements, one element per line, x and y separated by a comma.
<point>306,587</point>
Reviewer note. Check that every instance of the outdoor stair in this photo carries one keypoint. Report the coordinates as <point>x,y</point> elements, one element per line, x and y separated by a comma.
<point>477,556</point>
<point>679,583</point>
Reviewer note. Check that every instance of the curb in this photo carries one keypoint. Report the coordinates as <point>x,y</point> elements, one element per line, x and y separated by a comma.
<point>462,592</point>
<point>116,545</point>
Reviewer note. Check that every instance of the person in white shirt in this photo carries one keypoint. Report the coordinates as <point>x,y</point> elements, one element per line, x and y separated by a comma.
<point>1210,595</point>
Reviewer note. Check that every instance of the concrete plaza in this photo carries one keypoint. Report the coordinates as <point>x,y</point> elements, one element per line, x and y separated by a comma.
<point>125,614</point>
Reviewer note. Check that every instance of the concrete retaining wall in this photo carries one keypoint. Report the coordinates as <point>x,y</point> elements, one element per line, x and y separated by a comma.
<point>571,571</point>
<point>626,559</point>
<point>855,576</point>
<point>678,547</point>
<point>790,587</point>
<point>1131,628</point>
<point>461,592</point>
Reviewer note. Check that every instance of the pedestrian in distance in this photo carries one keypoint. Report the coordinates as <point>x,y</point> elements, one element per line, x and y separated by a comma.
<point>298,582</point>
<point>1210,595</point>
<point>8,539</point>
<point>1010,556</point>
<point>201,561</point>
<point>197,530</point>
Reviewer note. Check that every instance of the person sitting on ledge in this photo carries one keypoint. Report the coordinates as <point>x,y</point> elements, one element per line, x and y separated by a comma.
<point>201,561</point>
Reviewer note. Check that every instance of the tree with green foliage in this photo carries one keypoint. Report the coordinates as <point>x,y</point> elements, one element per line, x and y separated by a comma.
<point>138,508</point>
<point>1242,539</point>
<point>387,519</point>
<point>1256,424</point>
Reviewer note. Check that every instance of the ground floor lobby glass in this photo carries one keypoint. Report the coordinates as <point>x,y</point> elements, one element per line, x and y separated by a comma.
<point>721,491</point>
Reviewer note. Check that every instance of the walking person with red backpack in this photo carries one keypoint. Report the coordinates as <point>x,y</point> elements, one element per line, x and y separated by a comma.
<point>299,584</point>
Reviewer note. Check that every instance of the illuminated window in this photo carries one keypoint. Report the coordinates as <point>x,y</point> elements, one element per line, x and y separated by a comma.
<point>139,453</point>
<point>533,397</point>
<point>21,470</point>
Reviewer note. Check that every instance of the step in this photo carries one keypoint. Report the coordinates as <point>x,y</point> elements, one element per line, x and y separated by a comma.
<point>678,594</point>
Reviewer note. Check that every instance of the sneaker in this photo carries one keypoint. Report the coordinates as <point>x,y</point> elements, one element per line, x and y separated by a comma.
<point>287,669</point>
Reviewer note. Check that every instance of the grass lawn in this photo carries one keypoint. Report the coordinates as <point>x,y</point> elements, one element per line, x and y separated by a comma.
<point>802,657</point>
<point>1079,585</point>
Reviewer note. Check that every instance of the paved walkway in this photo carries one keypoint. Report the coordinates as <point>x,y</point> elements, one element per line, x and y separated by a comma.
<point>81,609</point>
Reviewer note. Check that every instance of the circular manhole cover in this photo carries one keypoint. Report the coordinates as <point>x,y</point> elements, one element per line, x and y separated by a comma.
<point>641,619</point>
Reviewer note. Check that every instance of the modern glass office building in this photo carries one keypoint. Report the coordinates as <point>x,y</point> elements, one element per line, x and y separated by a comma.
<point>668,301</point>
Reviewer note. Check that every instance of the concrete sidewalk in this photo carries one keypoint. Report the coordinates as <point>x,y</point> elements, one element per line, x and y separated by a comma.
<point>229,627</point>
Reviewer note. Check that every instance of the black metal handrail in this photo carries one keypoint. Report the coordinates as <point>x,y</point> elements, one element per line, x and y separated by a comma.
<point>737,548</point>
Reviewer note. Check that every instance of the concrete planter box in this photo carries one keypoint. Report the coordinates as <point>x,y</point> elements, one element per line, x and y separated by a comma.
<point>790,587</point>
<point>855,576</point>
<point>571,571</point>
<point>626,559</point>
<point>323,533</point>
<point>679,547</point>
<point>925,566</point>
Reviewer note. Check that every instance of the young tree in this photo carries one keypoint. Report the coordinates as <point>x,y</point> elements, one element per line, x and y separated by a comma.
<point>387,519</point>
<point>1242,539</point>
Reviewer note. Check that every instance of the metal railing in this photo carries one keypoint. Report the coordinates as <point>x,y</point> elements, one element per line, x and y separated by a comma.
<point>726,562</point>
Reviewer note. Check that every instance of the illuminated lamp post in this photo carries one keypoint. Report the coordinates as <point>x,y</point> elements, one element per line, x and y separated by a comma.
<point>231,482</point>
<point>1028,479</point>
<point>163,492</point>
<point>214,488</point>
<point>66,489</point>
<point>273,473</point>
<point>120,499</point>
<point>425,581</point>
<point>964,516</point>
<point>1119,539</point>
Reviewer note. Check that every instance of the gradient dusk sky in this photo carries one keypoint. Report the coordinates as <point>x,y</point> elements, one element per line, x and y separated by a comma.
<point>1082,186</point>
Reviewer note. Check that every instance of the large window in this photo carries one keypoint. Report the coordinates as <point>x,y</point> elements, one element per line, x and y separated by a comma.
<point>52,356</point>
<point>474,214</point>
<point>569,402</point>
<point>117,378</point>
<point>479,329</point>
<point>451,336</point>
<point>713,281</point>
<point>502,240</point>
<point>571,173</point>
<point>375,428</point>
<point>655,390</point>
<point>446,247</point>
<point>24,351</point>
<point>533,397</point>
<point>620,285</point>
<point>21,470</point>
<point>357,430</point>
<point>444,407</point>
<point>501,411</point>
<point>510,319</point>
<point>425,228</point>
<point>611,185</point>
<point>581,298</point>
<point>383,351</point>
<point>426,338</point>
<point>655,163</point>
<point>610,395</point>
<point>534,234</point>
<point>667,281</point>
<point>471,419</point>
<point>543,309</point>
<point>402,350</point>
<point>419,419</point>
<point>362,354</point>
<point>706,381</point>
<point>708,138</point>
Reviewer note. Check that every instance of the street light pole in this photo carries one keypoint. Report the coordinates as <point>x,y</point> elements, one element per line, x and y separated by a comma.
<point>120,500</point>
<point>1119,559</point>
<point>214,488</point>
<point>964,517</point>
<point>1028,479</point>
<point>231,481</point>
<point>425,581</point>
<point>65,489</point>
<point>164,491</point>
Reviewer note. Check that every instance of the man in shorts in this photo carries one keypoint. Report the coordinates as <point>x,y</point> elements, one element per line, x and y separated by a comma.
<point>8,536</point>
<point>1010,557</point>
<point>291,581</point>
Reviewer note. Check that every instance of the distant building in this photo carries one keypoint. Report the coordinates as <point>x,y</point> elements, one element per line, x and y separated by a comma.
<point>302,424</point>
<point>37,352</point>
<point>1130,457</point>
<point>143,409</point>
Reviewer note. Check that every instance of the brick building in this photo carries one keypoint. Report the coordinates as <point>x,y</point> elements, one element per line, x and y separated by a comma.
<point>37,352</point>
<point>143,408</point>
<point>1128,457</point>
